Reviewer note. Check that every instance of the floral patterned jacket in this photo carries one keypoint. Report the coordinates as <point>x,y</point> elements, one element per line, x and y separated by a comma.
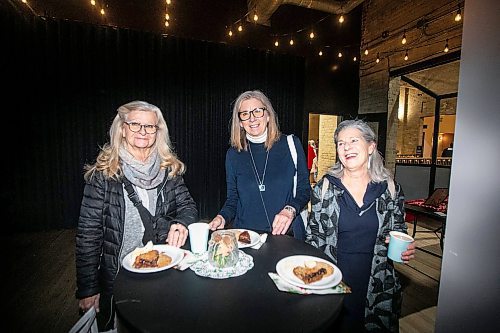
<point>383,299</point>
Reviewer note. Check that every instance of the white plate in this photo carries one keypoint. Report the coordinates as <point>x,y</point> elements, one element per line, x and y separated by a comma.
<point>285,267</point>
<point>173,252</point>
<point>254,238</point>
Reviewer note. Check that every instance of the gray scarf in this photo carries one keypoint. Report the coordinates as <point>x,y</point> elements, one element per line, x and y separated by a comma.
<point>146,175</point>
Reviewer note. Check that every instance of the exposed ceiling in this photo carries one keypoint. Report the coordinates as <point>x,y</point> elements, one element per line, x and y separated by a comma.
<point>441,80</point>
<point>211,20</point>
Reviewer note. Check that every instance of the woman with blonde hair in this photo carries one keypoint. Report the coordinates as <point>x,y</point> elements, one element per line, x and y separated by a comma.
<point>260,172</point>
<point>134,193</point>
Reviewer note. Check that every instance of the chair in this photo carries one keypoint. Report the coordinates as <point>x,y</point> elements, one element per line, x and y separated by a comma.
<point>434,207</point>
<point>87,323</point>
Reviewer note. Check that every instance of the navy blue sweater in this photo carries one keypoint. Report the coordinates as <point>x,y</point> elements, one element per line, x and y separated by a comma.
<point>244,205</point>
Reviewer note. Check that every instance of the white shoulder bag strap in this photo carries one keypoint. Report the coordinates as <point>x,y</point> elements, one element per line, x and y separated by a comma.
<point>293,152</point>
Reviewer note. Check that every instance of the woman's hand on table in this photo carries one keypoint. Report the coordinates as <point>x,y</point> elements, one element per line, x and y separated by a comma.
<point>177,235</point>
<point>408,254</point>
<point>282,222</point>
<point>217,223</point>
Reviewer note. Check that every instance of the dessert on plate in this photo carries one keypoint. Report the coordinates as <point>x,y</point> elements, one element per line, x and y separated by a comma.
<point>313,271</point>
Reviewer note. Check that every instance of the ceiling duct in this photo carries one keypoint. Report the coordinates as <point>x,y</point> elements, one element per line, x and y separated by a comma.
<point>266,8</point>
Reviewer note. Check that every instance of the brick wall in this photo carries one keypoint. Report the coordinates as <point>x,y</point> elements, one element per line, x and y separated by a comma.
<point>326,147</point>
<point>427,24</point>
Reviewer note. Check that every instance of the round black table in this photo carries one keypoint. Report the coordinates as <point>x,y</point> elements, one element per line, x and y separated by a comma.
<point>181,301</point>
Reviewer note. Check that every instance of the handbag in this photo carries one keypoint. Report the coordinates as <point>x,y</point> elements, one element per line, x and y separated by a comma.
<point>149,221</point>
<point>304,213</point>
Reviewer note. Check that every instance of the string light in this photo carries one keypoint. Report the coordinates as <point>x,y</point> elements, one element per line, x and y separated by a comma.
<point>167,24</point>
<point>240,28</point>
<point>406,55</point>
<point>230,33</point>
<point>378,59</point>
<point>366,51</point>
<point>458,16</point>
<point>167,17</point>
<point>102,11</point>
<point>255,17</point>
<point>341,18</point>
<point>403,41</point>
<point>276,43</point>
<point>320,53</point>
<point>168,2</point>
<point>24,1</point>
<point>291,41</point>
<point>339,55</point>
<point>311,35</point>
<point>446,48</point>
<point>355,59</point>
<point>92,2</point>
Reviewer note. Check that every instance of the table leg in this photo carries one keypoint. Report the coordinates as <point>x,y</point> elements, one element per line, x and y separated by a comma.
<point>414,226</point>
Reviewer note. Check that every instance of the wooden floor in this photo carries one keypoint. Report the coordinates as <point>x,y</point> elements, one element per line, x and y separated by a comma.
<point>40,283</point>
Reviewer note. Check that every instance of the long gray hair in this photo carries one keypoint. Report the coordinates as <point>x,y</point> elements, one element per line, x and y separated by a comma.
<point>376,169</point>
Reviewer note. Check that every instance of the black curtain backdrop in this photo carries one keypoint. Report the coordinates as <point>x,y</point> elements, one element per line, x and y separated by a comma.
<point>66,79</point>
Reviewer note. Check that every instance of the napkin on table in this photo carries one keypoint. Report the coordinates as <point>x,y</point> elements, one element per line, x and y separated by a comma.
<point>282,285</point>
<point>263,238</point>
<point>189,259</point>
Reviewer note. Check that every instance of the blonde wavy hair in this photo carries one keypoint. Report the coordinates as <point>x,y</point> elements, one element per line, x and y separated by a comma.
<point>238,135</point>
<point>108,160</point>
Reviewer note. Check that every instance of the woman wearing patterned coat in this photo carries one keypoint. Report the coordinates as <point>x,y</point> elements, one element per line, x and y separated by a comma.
<point>351,221</point>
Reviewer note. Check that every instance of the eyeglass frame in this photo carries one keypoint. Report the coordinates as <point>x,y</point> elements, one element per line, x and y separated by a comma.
<point>251,113</point>
<point>130,123</point>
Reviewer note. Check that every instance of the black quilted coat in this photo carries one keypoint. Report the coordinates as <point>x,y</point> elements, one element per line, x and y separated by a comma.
<point>99,234</point>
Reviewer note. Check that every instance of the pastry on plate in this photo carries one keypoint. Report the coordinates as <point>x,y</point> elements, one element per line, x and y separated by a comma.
<point>313,271</point>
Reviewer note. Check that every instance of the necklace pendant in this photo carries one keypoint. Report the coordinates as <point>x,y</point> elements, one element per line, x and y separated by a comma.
<point>262,188</point>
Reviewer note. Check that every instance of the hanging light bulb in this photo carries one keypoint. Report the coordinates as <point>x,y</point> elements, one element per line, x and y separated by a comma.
<point>102,11</point>
<point>291,41</point>
<point>378,59</point>
<point>458,16</point>
<point>403,41</point>
<point>311,35</point>
<point>167,24</point>
<point>230,33</point>
<point>276,43</point>
<point>446,48</point>
<point>92,2</point>
<point>255,17</point>
<point>169,2</point>
<point>167,17</point>
<point>24,1</point>
<point>240,28</point>
<point>341,18</point>
<point>339,55</point>
<point>355,59</point>
<point>320,53</point>
<point>366,51</point>
<point>406,55</point>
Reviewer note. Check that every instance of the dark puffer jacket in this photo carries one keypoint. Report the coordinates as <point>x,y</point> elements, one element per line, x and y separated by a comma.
<point>99,236</point>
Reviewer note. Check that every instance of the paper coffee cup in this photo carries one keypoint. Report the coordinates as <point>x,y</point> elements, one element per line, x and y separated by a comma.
<point>398,244</point>
<point>198,237</point>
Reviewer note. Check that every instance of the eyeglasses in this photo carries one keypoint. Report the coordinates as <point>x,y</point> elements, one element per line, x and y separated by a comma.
<point>136,127</point>
<point>257,113</point>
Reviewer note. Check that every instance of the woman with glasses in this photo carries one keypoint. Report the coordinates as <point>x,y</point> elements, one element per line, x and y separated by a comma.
<point>134,193</point>
<point>260,172</point>
<point>354,207</point>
